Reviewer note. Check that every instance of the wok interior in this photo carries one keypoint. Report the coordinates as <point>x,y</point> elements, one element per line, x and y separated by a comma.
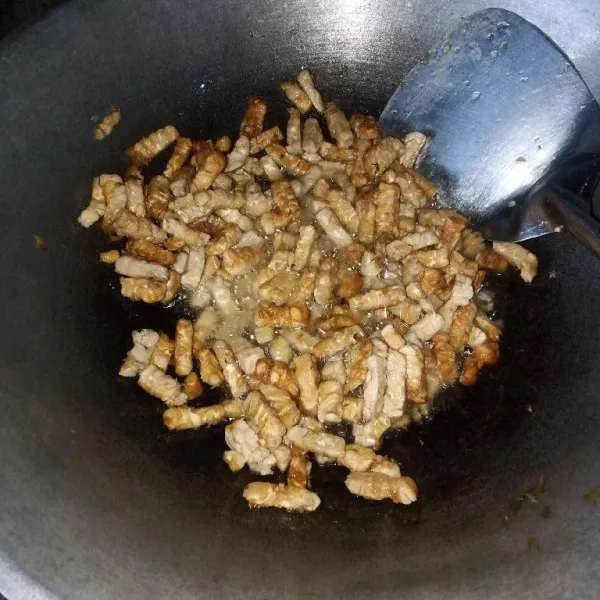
<point>99,500</point>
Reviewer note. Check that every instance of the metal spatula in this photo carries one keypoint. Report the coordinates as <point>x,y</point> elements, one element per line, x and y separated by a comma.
<point>515,132</point>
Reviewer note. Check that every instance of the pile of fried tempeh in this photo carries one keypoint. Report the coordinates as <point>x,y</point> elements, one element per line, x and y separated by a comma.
<point>328,288</point>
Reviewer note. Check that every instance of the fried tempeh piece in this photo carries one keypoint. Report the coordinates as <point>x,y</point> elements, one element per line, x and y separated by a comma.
<point>387,296</point>
<point>462,323</point>
<point>335,370</point>
<point>138,358</point>
<point>115,196</point>
<point>246,353</point>
<point>337,342</point>
<point>289,317</point>
<point>349,284</point>
<point>338,126</point>
<point>307,84</point>
<point>228,237</point>
<point>241,438</point>
<point>142,152</point>
<point>343,210</point>
<point>519,257</point>
<point>108,123</point>
<point>238,156</point>
<point>252,123</point>
<point>242,260</point>
<point>97,205</point>
<point>283,405</point>
<point>366,225</point>
<point>395,392</point>
<point>185,417</point>
<point>163,352</point>
<point>191,237</point>
<point>414,143</point>
<point>377,486</point>
<point>370,434</point>
<point>426,327</point>
<point>434,282</point>
<point>491,260</point>
<point>231,370</point>
<point>158,384</point>
<point>380,157</point>
<point>333,228</point>
<point>192,386</point>
<point>110,257</point>
<point>365,127</point>
<point>299,469</point>
<point>491,330</point>
<point>392,337</point>
<point>194,269</point>
<point>445,357</point>
<point>312,136</point>
<point>307,375</point>
<point>284,197</point>
<point>356,364</point>
<point>290,162</point>
<point>300,340</point>
<point>451,233</point>
<point>330,401</point>
<point>150,252</point>
<point>264,420</point>
<point>234,460</point>
<point>130,225</point>
<point>325,281</point>
<point>181,152</point>
<point>210,369</point>
<point>304,246</point>
<point>146,290</point>
<point>277,373</point>
<point>265,139</point>
<point>184,333</point>
<point>386,208</point>
<point>416,386</point>
<point>262,494</point>
<point>487,353</point>
<point>281,350</point>
<point>358,458</point>
<point>294,132</point>
<point>318,442</point>
<point>158,196</point>
<point>212,166</point>
<point>297,96</point>
<point>400,249</point>
<point>352,408</point>
<point>375,384</point>
<point>336,322</point>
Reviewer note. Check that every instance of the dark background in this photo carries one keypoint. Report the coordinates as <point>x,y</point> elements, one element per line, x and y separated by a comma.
<point>15,13</point>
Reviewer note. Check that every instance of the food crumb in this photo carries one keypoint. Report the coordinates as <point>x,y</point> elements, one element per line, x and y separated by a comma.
<point>533,544</point>
<point>108,123</point>
<point>552,275</point>
<point>447,47</point>
<point>39,241</point>
<point>593,496</point>
<point>529,409</point>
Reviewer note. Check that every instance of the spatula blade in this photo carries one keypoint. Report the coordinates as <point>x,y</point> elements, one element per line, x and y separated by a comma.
<point>505,109</point>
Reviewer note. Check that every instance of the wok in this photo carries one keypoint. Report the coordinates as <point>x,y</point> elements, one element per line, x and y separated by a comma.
<point>98,501</point>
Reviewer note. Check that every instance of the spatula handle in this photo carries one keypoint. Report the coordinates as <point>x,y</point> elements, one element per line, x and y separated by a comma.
<point>577,214</point>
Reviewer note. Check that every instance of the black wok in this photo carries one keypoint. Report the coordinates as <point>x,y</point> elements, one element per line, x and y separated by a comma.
<point>97,500</point>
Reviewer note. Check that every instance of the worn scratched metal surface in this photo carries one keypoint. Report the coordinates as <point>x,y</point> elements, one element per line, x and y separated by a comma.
<point>97,501</point>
